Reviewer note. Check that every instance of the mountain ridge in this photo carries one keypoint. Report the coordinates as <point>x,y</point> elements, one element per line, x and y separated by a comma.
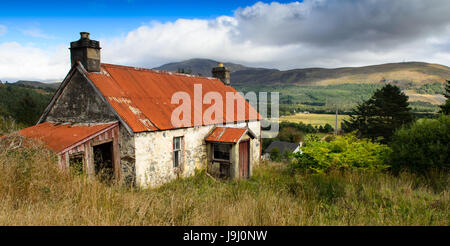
<point>404,72</point>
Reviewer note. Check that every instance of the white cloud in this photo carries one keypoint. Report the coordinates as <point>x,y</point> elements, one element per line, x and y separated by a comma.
<point>29,63</point>
<point>314,33</point>
<point>324,33</point>
<point>3,30</point>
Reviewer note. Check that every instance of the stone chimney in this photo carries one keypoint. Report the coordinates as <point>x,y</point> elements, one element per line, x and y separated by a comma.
<point>221,73</point>
<point>87,52</point>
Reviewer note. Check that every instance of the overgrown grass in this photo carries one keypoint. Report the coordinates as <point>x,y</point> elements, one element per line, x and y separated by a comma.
<point>34,191</point>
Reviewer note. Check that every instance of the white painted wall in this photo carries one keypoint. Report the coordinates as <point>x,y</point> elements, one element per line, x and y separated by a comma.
<point>154,152</point>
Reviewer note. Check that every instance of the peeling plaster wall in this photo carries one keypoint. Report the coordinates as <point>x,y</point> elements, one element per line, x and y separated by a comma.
<point>255,144</point>
<point>154,153</point>
<point>127,157</point>
<point>79,103</point>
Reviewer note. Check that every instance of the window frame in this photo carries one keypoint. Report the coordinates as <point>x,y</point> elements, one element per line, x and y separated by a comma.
<point>229,152</point>
<point>77,155</point>
<point>179,150</point>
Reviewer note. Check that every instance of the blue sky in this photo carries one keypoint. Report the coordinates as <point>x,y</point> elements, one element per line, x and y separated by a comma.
<point>35,35</point>
<point>59,21</point>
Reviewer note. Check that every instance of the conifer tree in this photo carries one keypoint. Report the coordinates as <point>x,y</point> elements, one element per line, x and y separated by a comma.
<point>378,117</point>
<point>445,108</point>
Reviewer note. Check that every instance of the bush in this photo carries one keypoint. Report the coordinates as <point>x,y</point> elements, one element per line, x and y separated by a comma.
<point>423,146</point>
<point>345,152</point>
<point>34,192</point>
<point>275,154</point>
<point>290,134</point>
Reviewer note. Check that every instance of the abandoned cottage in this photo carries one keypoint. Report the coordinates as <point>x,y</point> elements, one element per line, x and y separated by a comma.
<point>117,121</point>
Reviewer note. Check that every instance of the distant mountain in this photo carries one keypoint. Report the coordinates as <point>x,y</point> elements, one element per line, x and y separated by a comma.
<point>400,73</point>
<point>199,66</point>
<point>37,85</point>
<point>405,74</point>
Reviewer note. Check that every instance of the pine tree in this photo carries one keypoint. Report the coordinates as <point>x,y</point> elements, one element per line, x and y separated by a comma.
<point>447,90</point>
<point>378,117</point>
<point>445,108</point>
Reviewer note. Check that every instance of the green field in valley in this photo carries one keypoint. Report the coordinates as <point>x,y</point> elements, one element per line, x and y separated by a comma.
<point>315,119</point>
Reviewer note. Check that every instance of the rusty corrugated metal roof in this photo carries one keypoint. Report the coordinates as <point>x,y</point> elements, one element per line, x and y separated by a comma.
<point>226,135</point>
<point>61,136</point>
<point>142,97</point>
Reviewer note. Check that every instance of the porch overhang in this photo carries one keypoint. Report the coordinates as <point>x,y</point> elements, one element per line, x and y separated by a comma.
<point>228,134</point>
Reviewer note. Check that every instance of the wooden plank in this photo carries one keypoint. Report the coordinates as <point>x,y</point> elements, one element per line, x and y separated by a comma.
<point>90,160</point>
<point>98,142</point>
<point>244,159</point>
<point>116,153</point>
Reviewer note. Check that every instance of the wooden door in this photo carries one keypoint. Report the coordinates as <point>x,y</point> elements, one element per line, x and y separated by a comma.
<point>244,159</point>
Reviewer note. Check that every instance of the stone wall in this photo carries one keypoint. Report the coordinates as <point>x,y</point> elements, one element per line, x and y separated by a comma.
<point>154,153</point>
<point>127,157</point>
<point>79,103</point>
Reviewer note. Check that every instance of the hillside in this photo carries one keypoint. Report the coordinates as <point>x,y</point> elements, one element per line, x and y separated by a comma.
<point>417,73</point>
<point>24,105</point>
<point>49,87</point>
<point>199,66</point>
<point>316,90</point>
<point>404,74</point>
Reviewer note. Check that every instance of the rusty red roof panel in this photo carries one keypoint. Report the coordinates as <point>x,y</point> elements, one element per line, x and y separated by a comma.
<point>61,136</point>
<point>142,97</point>
<point>226,135</point>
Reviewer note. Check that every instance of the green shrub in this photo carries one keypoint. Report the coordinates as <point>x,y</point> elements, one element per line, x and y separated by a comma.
<point>302,162</point>
<point>423,146</point>
<point>275,154</point>
<point>345,152</point>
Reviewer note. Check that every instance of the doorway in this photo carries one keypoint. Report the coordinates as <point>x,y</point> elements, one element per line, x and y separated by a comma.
<point>244,159</point>
<point>103,162</point>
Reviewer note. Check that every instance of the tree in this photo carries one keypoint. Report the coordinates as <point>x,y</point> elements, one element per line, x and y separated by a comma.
<point>422,146</point>
<point>275,154</point>
<point>28,112</point>
<point>290,134</point>
<point>286,155</point>
<point>185,71</point>
<point>328,128</point>
<point>445,108</point>
<point>378,117</point>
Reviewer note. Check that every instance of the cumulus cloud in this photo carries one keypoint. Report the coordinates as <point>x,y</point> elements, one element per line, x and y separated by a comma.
<point>313,33</point>
<point>332,22</point>
<point>326,33</point>
<point>30,63</point>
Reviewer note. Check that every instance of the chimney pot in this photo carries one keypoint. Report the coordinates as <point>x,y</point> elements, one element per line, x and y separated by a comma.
<point>222,73</point>
<point>87,52</point>
<point>84,35</point>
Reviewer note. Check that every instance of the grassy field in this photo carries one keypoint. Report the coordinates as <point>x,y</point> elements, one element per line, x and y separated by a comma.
<point>324,99</point>
<point>315,119</point>
<point>34,191</point>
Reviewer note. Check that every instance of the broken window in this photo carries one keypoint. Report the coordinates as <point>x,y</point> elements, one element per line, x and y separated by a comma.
<point>221,152</point>
<point>76,163</point>
<point>177,151</point>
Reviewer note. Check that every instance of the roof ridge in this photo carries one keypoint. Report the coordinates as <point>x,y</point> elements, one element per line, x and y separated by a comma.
<point>156,71</point>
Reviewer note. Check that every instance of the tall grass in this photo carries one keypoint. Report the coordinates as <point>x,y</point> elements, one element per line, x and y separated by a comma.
<point>33,191</point>
<point>8,124</point>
